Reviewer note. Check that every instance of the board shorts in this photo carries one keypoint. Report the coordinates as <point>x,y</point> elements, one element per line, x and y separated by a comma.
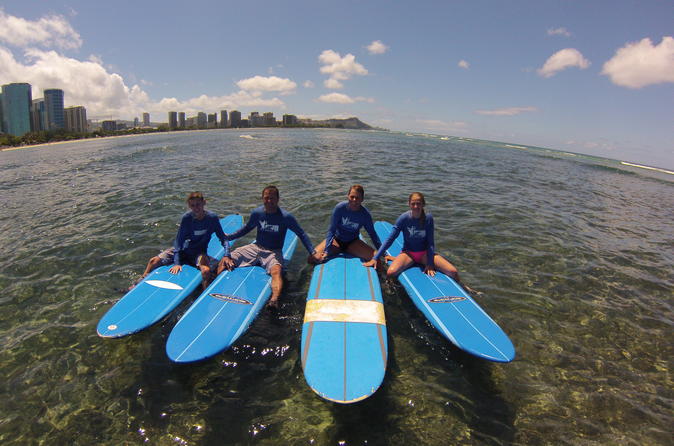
<point>256,255</point>
<point>417,256</point>
<point>167,257</point>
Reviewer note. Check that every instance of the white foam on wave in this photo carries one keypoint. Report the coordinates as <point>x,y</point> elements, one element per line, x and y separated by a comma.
<point>247,136</point>
<point>647,167</point>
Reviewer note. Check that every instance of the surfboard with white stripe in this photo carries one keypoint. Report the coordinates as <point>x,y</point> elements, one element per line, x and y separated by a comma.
<point>344,347</point>
<point>159,293</point>
<point>451,310</point>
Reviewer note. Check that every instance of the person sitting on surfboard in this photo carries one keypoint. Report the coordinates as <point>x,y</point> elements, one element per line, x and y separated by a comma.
<point>191,243</point>
<point>419,245</point>
<point>344,231</point>
<point>271,222</point>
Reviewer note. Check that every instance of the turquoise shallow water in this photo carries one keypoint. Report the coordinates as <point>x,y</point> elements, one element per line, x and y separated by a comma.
<point>573,256</point>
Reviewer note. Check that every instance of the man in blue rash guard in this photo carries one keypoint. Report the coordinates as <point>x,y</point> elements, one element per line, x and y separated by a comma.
<point>191,243</point>
<point>419,243</point>
<point>343,234</point>
<point>272,223</point>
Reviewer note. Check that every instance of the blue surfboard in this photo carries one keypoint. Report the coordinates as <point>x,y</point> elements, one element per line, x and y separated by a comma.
<point>344,347</point>
<point>224,311</point>
<point>159,292</point>
<point>451,310</point>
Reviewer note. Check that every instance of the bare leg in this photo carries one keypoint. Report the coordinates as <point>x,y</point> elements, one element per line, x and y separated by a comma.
<point>320,249</point>
<point>205,271</point>
<point>400,263</point>
<point>152,264</point>
<point>443,265</point>
<point>361,249</point>
<point>276,285</point>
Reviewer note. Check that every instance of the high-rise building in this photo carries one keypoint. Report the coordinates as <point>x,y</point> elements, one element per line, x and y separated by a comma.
<point>212,120</point>
<point>202,120</point>
<point>2,123</point>
<point>172,120</point>
<point>37,115</point>
<point>268,119</point>
<point>181,120</point>
<point>289,120</point>
<point>16,102</point>
<point>76,119</point>
<point>53,109</point>
<point>235,118</point>
<point>146,120</point>
<point>223,118</point>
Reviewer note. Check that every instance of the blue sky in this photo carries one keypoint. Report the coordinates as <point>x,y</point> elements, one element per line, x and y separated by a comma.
<point>594,77</point>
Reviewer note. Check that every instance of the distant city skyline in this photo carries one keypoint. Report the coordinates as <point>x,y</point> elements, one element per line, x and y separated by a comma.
<point>587,77</point>
<point>20,113</point>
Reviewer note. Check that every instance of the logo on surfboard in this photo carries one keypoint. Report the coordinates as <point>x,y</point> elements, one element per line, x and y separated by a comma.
<point>446,299</point>
<point>230,298</point>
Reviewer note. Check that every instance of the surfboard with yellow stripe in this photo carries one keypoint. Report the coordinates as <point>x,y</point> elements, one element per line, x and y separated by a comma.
<point>344,347</point>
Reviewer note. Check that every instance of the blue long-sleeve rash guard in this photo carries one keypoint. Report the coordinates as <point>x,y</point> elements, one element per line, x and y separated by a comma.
<point>271,229</point>
<point>416,238</point>
<point>194,235</point>
<point>345,225</point>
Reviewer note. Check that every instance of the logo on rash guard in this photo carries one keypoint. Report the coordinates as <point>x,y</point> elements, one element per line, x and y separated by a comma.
<point>416,233</point>
<point>200,232</point>
<point>349,224</point>
<point>266,227</point>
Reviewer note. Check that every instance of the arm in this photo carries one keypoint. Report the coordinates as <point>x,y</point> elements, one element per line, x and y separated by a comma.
<point>430,240</point>
<point>180,243</point>
<point>295,227</point>
<point>369,227</point>
<point>252,221</point>
<point>332,230</point>
<point>221,236</point>
<point>181,240</point>
<point>387,244</point>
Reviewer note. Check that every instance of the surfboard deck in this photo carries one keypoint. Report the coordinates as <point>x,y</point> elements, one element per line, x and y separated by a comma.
<point>344,347</point>
<point>159,292</point>
<point>224,311</point>
<point>450,309</point>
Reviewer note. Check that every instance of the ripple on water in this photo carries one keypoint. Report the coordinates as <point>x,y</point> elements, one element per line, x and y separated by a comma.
<point>572,259</point>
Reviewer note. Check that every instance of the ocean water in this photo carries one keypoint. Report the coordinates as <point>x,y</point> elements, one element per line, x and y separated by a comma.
<point>572,255</point>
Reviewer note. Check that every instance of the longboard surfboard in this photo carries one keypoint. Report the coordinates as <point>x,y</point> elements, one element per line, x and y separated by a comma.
<point>224,311</point>
<point>450,309</point>
<point>344,347</point>
<point>159,292</point>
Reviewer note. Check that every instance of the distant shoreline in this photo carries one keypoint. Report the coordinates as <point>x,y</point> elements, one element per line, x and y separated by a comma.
<point>100,138</point>
<point>154,132</point>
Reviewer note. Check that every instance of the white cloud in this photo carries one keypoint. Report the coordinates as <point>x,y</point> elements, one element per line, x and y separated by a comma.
<point>339,98</point>
<point>48,31</point>
<point>105,94</point>
<point>377,47</point>
<point>308,84</point>
<point>333,84</point>
<point>511,111</point>
<point>271,83</point>
<point>561,60</point>
<point>463,64</point>
<point>340,68</point>
<point>559,32</point>
<point>639,64</point>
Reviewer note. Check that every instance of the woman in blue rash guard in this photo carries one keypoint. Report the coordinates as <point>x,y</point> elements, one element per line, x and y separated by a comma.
<point>344,231</point>
<point>419,245</point>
